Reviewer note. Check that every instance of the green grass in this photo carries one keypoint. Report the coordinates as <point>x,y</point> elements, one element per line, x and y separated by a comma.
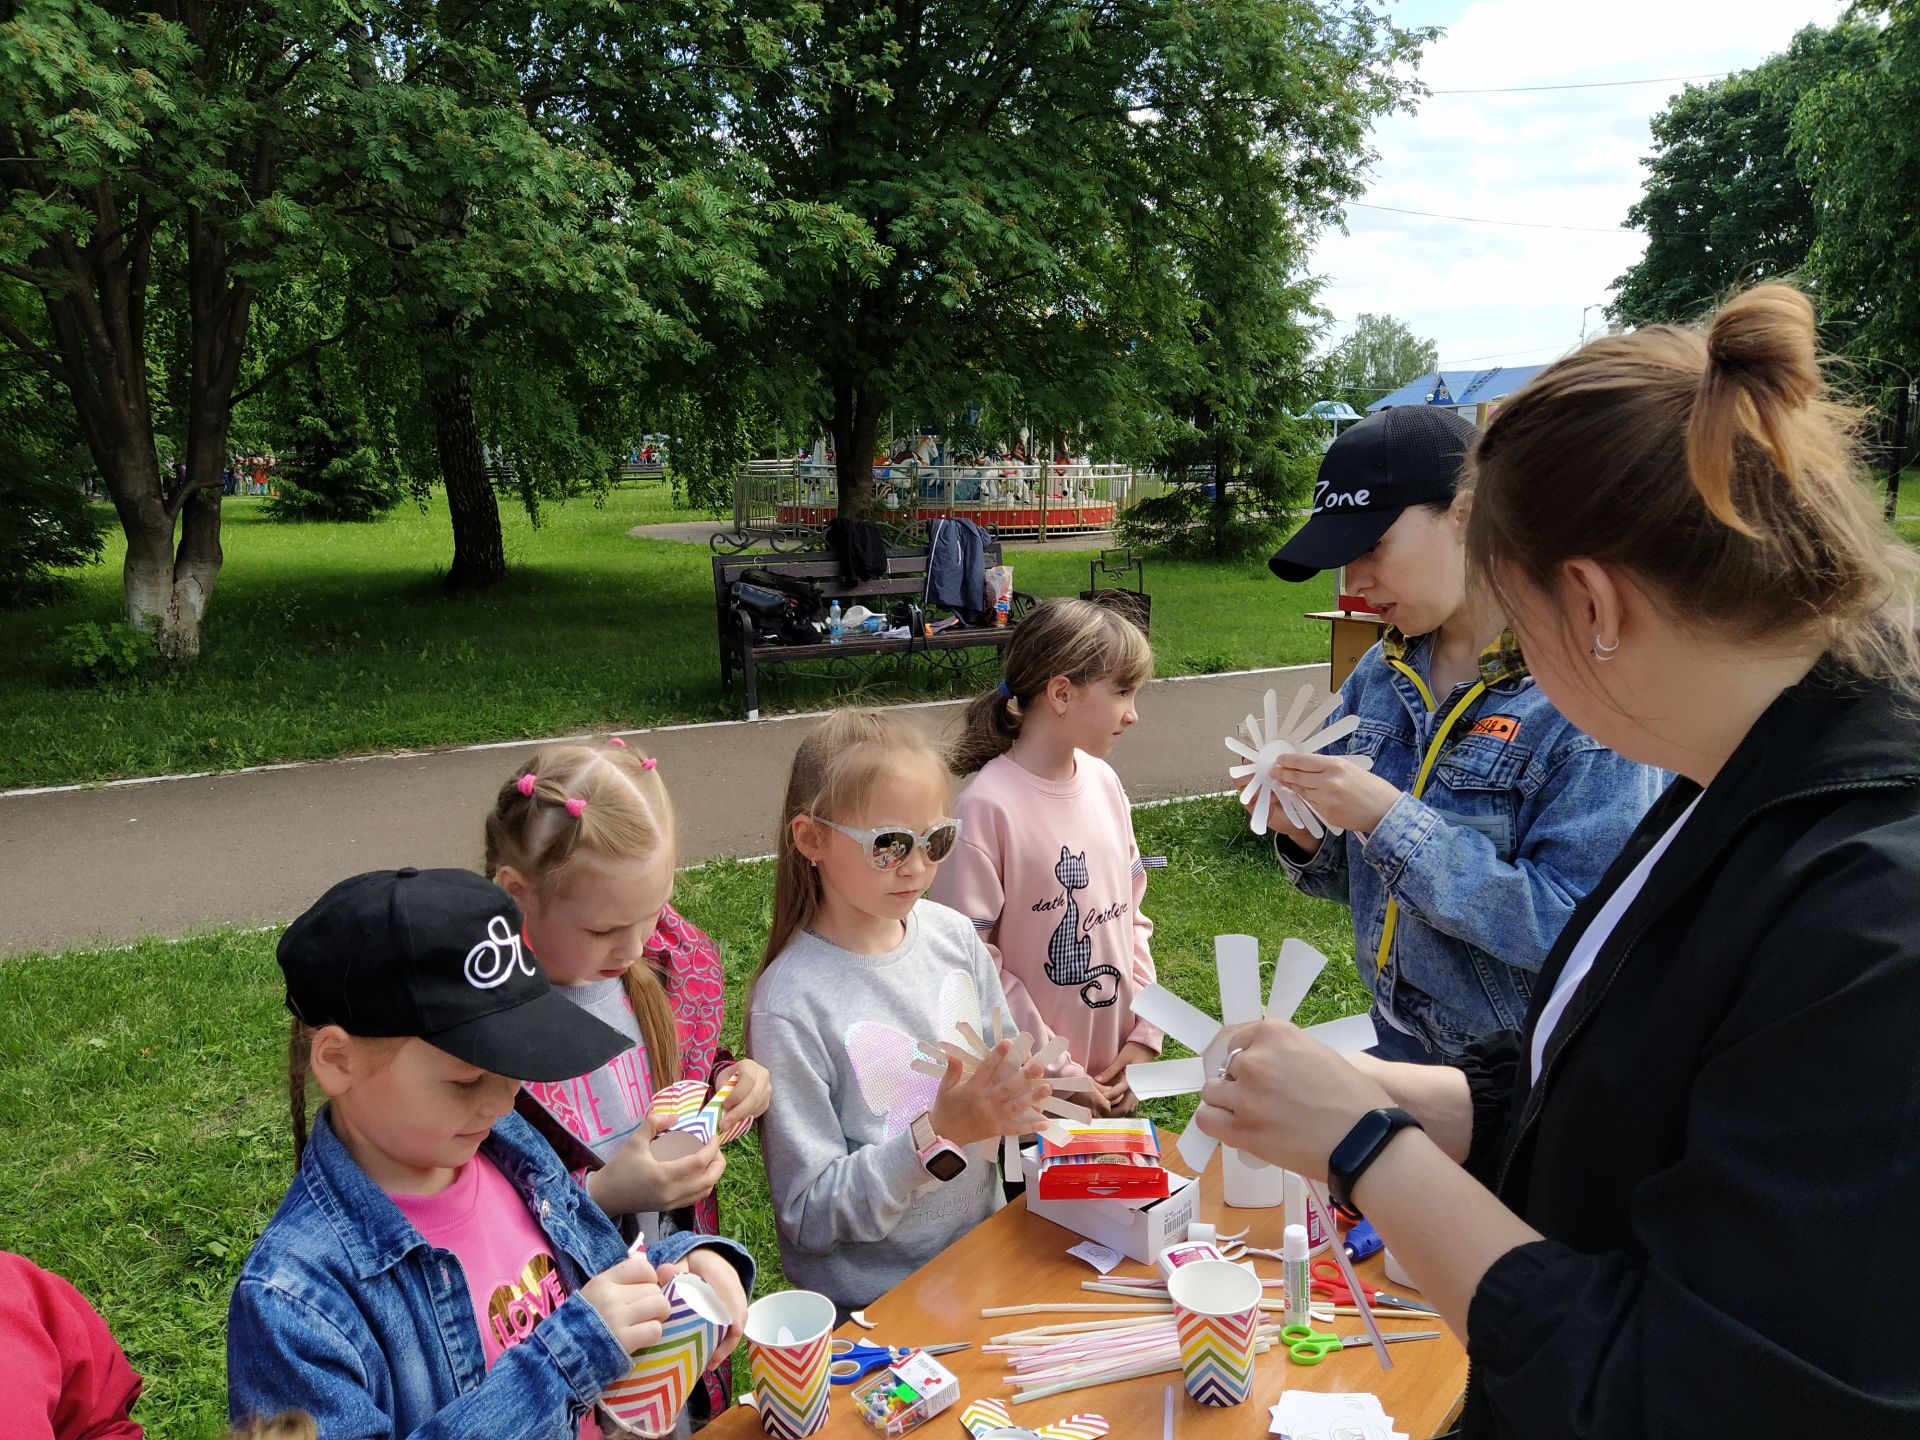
<point>333,639</point>
<point>145,1112</point>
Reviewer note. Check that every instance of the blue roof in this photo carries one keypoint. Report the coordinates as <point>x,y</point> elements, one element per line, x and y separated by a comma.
<point>1460,387</point>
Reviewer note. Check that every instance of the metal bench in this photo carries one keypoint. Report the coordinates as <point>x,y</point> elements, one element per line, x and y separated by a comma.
<point>954,651</point>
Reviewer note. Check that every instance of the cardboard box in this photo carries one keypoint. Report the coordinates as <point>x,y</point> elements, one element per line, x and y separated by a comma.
<point>1138,1229</point>
<point>1104,1160</point>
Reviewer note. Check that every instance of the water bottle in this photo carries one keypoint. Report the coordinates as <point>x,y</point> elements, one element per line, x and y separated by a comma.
<point>836,628</point>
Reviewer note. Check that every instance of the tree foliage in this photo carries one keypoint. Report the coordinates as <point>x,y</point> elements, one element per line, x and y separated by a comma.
<point>1728,201</point>
<point>1857,147</point>
<point>1379,356</point>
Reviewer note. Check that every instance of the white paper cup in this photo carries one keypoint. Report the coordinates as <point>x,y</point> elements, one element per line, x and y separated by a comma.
<point>790,1356</point>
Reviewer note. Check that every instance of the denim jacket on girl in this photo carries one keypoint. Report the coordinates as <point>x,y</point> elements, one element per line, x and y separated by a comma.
<point>345,1311</point>
<point>1519,817</point>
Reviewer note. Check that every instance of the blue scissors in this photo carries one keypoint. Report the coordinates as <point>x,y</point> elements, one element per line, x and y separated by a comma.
<point>853,1359</point>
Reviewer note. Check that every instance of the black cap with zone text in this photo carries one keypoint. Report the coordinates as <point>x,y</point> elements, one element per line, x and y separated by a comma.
<point>1405,455</point>
<point>438,954</point>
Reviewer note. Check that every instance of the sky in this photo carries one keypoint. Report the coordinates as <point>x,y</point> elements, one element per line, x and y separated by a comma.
<point>1497,295</point>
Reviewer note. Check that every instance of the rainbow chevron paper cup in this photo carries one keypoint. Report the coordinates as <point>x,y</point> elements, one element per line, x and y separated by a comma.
<point>647,1400</point>
<point>789,1351</point>
<point>694,1123</point>
<point>1216,1310</point>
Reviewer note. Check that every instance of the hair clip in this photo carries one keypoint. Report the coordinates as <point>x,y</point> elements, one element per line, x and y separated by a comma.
<point>576,807</point>
<point>526,783</point>
<point>648,763</point>
<point>616,740</point>
<point>1005,693</point>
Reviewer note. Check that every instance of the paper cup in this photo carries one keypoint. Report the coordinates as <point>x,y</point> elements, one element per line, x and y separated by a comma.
<point>789,1353</point>
<point>1216,1310</point>
<point>648,1399</point>
<point>694,1122</point>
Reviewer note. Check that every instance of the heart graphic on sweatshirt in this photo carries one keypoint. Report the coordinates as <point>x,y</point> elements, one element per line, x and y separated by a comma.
<point>514,1309</point>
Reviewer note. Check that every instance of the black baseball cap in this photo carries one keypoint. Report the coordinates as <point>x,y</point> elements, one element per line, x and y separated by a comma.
<point>438,954</point>
<point>1401,456</point>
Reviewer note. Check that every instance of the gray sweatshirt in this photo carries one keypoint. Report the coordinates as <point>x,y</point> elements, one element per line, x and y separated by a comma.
<point>856,1210</point>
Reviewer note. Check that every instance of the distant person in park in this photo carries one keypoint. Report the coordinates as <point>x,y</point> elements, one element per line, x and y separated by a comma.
<point>66,1376</point>
<point>1680,1198</point>
<point>1047,867</point>
<point>433,1266</point>
<point>1476,814</point>
<point>582,837</point>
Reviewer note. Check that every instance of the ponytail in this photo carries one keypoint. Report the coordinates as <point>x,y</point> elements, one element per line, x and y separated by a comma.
<point>1075,638</point>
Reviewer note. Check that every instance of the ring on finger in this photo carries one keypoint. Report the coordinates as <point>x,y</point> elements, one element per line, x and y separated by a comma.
<point>1226,1065</point>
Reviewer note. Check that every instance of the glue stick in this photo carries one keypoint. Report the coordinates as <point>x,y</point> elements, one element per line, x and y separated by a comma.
<point>1293,1200</point>
<point>1293,1266</point>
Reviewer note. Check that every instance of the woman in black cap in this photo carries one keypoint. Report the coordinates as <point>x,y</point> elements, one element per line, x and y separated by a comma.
<point>1680,1200</point>
<point>1476,815</point>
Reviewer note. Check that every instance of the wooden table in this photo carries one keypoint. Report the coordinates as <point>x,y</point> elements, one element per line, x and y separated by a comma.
<point>1017,1258</point>
<point>1354,633</point>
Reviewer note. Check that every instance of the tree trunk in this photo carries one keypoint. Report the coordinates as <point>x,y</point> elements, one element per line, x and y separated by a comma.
<point>479,555</point>
<point>856,431</point>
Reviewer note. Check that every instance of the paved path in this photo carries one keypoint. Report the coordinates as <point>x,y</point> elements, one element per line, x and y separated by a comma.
<point>113,863</point>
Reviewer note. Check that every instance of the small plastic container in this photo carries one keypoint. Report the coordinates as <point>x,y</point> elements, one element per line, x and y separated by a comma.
<point>905,1395</point>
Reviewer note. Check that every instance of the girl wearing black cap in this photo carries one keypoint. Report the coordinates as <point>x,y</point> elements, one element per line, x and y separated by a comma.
<point>434,1270</point>
<point>1476,814</point>
<point>1680,1199</point>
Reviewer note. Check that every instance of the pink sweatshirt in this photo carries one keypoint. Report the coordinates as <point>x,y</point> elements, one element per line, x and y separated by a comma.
<point>1049,873</point>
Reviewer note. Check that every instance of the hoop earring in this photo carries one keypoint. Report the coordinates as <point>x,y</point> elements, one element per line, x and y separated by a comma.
<point>1602,651</point>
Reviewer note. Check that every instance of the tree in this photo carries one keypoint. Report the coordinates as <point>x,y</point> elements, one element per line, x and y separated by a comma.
<point>1380,356</point>
<point>46,523</point>
<point>1856,145</point>
<point>1726,203</point>
<point>1010,163</point>
<point>146,151</point>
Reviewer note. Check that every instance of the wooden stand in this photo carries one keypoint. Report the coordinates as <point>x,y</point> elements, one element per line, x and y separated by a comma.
<point>1354,633</point>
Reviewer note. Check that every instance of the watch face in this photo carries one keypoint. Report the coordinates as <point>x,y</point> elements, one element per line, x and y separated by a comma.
<point>946,1164</point>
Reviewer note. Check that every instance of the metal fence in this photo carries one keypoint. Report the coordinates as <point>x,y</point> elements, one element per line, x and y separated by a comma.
<point>787,504</point>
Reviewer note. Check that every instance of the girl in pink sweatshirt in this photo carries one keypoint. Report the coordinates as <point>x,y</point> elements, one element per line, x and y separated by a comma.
<point>1047,868</point>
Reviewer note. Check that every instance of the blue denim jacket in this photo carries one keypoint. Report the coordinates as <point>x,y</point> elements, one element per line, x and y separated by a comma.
<point>345,1311</point>
<point>1520,817</point>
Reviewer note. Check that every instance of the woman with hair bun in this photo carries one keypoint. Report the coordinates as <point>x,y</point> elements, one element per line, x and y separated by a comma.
<point>1680,1199</point>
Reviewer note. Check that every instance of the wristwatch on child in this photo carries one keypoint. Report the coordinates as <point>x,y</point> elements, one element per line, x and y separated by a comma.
<point>941,1158</point>
<point>1361,1148</point>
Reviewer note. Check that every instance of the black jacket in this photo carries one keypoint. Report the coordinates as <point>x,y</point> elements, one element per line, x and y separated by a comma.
<point>1724,1149</point>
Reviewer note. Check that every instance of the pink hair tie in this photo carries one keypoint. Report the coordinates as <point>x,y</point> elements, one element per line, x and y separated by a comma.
<point>576,807</point>
<point>526,783</point>
<point>616,740</point>
<point>648,763</point>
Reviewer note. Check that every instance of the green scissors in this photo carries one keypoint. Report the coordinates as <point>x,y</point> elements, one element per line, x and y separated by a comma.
<point>1308,1346</point>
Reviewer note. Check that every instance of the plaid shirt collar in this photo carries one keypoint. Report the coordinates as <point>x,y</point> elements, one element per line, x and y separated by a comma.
<point>1499,662</point>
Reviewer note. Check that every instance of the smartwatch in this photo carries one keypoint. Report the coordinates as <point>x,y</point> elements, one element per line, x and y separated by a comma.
<point>1361,1148</point>
<point>940,1158</point>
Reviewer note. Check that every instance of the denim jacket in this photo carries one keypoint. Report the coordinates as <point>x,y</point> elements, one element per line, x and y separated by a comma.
<point>1520,817</point>
<point>345,1311</point>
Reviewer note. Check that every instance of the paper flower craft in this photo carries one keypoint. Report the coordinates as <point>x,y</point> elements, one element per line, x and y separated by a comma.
<point>1237,961</point>
<point>1296,736</point>
<point>932,1061</point>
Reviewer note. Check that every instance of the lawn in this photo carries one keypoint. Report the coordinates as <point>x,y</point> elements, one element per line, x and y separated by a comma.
<point>334,639</point>
<point>146,1115</point>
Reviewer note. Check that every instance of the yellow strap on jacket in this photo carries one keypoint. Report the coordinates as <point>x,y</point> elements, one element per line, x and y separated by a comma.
<point>1434,748</point>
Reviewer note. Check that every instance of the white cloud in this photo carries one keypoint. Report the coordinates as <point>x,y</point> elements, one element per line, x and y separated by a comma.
<point>1563,157</point>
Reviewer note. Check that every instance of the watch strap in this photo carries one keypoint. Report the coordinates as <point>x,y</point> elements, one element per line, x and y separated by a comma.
<point>1361,1147</point>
